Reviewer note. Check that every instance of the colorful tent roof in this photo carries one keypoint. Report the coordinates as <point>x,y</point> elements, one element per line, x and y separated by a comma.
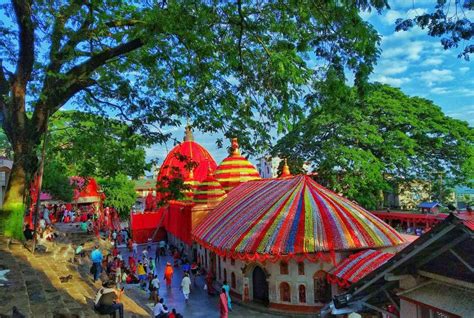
<point>357,266</point>
<point>209,191</point>
<point>290,217</point>
<point>181,159</point>
<point>235,169</point>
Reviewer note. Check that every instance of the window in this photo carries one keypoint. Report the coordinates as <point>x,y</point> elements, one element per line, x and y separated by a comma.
<point>205,257</point>
<point>225,274</point>
<point>285,294</point>
<point>283,268</point>
<point>302,294</point>
<point>233,283</point>
<point>300,268</point>
<point>225,259</point>
<point>219,266</point>
<point>232,261</point>
<point>322,289</point>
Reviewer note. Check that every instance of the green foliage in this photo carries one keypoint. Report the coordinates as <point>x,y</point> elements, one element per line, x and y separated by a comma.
<point>360,147</point>
<point>91,145</point>
<point>445,22</point>
<point>120,193</point>
<point>56,181</point>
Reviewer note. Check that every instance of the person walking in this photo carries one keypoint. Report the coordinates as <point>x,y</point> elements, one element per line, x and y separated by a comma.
<point>96,258</point>
<point>226,287</point>
<point>223,305</point>
<point>186,286</point>
<point>46,215</point>
<point>155,292</point>
<point>168,274</point>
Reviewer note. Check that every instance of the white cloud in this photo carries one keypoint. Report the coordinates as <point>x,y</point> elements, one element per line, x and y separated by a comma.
<point>432,61</point>
<point>411,51</point>
<point>464,69</point>
<point>392,15</point>
<point>465,113</point>
<point>436,76</point>
<point>394,81</point>
<point>465,92</point>
<point>439,90</point>
<point>395,69</point>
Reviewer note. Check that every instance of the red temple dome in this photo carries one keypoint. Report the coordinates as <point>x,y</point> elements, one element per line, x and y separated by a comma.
<point>189,161</point>
<point>235,169</point>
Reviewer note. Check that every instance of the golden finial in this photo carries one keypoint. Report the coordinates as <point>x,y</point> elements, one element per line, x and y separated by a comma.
<point>235,147</point>
<point>286,170</point>
<point>191,174</point>
<point>188,133</point>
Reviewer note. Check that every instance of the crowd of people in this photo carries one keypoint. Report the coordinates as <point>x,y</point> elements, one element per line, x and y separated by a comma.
<point>140,270</point>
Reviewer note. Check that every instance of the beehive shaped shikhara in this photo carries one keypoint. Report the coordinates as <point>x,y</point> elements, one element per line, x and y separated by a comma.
<point>292,217</point>
<point>179,163</point>
<point>235,169</point>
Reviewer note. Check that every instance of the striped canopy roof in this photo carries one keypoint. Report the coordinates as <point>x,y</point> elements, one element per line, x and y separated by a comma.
<point>357,266</point>
<point>235,169</point>
<point>290,217</point>
<point>209,191</point>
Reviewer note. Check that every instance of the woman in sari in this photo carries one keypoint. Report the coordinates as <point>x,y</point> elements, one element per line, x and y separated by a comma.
<point>223,304</point>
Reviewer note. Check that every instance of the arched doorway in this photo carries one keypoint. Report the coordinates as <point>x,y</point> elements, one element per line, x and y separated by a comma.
<point>260,285</point>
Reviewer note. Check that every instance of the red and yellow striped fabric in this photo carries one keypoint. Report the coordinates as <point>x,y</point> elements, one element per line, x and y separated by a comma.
<point>235,169</point>
<point>209,191</point>
<point>357,266</point>
<point>292,217</point>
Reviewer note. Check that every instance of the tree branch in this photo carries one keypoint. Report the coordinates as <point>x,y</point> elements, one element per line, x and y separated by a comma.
<point>90,65</point>
<point>26,41</point>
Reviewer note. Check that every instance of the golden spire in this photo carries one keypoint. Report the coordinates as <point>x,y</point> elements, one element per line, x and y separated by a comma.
<point>285,171</point>
<point>188,133</point>
<point>191,174</point>
<point>234,148</point>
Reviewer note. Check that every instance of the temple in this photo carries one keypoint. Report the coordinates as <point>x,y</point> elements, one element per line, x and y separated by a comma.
<point>287,242</point>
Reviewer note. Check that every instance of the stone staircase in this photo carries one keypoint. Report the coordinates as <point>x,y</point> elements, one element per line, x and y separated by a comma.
<point>34,284</point>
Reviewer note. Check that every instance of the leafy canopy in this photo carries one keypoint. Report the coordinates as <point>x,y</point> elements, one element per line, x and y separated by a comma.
<point>360,147</point>
<point>119,192</point>
<point>91,145</point>
<point>236,66</point>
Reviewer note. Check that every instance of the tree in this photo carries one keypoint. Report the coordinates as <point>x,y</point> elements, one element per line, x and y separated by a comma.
<point>119,193</point>
<point>235,66</point>
<point>56,181</point>
<point>96,146</point>
<point>360,147</point>
<point>450,21</point>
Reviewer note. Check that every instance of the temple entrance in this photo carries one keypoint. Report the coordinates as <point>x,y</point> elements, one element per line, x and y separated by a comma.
<point>260,285</point>
<point>213,263</point>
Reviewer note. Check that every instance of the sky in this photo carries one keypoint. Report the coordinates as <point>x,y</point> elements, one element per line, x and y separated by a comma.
<point>410,60</point>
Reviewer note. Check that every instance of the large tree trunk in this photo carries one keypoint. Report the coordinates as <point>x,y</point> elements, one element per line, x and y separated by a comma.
<point>14,207</point>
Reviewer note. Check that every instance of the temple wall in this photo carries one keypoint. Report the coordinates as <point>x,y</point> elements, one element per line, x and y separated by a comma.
<point>243,271</point>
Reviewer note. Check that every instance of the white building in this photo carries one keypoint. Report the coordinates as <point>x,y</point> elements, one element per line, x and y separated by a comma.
<point>5,169</point>
<point>267,166</point>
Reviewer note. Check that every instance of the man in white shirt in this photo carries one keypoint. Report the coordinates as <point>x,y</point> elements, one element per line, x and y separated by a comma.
<point>155,288</point>
<point>186,286</point>
<point>160,310</point>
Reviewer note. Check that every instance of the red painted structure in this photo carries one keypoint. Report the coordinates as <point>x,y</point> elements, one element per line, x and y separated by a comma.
<point>407,219</point>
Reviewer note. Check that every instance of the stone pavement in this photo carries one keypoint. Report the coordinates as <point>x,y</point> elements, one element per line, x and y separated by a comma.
<point>200,305</point>
<point>34,286</point>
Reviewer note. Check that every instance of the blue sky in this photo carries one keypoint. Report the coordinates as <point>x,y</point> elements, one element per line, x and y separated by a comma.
<point>411,60</point>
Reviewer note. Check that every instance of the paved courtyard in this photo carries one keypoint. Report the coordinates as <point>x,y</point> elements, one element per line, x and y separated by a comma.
<point>33,285</point>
